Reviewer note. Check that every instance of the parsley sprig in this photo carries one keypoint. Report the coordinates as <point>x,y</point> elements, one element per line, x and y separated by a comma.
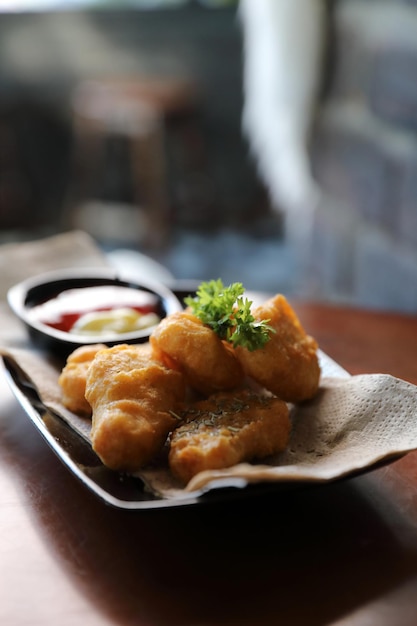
<point>228,314</point>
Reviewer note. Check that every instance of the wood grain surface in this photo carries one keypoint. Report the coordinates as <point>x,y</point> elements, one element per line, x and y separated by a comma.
<point>340,554</point>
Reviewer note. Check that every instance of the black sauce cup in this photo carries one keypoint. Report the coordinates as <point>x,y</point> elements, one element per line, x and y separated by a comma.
<point>26,295</point>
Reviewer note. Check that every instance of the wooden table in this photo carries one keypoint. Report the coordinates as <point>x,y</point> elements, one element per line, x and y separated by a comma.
<point>344,553</point>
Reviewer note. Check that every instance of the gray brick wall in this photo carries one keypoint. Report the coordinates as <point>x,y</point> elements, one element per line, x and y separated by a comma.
<point>364,154</point>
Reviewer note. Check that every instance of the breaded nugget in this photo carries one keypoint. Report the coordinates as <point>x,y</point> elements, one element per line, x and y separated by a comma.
<point>209,364</point>
<point>73,377</point>
<point>132,397</point>
<point>287,365</point>
<point>226,429</point>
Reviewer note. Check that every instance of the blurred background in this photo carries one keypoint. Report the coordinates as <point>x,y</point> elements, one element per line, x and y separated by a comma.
<point>124,119</point>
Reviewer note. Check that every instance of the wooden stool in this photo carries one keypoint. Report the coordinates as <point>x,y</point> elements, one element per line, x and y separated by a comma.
<point>155,123</point>
<point>104,116</point>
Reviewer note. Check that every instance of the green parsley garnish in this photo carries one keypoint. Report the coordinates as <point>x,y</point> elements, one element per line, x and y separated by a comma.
<point>228,314</point>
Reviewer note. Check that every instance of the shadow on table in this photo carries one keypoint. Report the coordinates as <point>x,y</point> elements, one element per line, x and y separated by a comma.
<point>305,557</point>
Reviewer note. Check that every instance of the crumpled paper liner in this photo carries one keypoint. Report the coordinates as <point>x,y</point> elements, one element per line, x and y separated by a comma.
<point>19,261</point>
<point>352,424</point>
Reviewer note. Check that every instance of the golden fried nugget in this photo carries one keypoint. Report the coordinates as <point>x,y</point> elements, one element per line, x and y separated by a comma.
<point>73,377</point>
<point>288,364</point>
<point>132,397</point>
<point>182,341</point>
<point>226,429</point>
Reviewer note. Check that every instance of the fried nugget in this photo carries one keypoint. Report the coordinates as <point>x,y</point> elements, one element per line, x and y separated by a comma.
<point>134,401</point>
<point>209,364</point>
<point>73,378</point>
<point>226,429</point>
<point>288,364</point>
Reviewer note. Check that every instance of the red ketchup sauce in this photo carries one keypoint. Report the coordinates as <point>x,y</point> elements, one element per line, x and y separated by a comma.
<point>63,311</point>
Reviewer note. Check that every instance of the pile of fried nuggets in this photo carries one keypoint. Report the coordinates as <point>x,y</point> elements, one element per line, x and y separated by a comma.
<point>210,404</point>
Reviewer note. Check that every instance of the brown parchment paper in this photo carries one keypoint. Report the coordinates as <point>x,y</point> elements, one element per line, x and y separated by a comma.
<point>353,423</point>
<point>19,261</point>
